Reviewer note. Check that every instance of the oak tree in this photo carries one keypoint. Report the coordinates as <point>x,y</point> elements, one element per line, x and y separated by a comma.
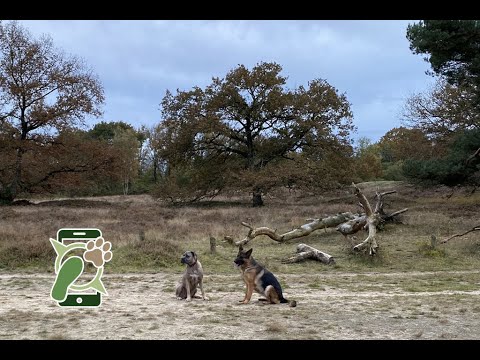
<point>252,122</point>
<point>42,91</point>
<point>441,111</point>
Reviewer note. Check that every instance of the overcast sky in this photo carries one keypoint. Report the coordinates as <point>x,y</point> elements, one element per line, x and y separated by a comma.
<point>137,61</point>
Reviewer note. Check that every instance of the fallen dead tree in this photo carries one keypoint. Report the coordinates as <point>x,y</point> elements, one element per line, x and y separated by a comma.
<point>305,252</point>
<point>304,230</point>
<point>360,222</point>
<point>346,223</point>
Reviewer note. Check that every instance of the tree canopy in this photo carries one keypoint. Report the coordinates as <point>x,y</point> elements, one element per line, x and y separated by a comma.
<point>250,123</point>
<point>451,47</point>
<point>441,111</point>
<point>42,92</point>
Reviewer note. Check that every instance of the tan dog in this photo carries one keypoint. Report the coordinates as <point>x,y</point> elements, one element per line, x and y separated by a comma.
<point>192,277</point>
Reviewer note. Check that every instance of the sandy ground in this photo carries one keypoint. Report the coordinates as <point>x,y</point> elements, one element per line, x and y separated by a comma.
<point>350,306</point>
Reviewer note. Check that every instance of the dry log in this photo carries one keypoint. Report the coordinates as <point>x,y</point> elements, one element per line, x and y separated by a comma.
<point>304,230</point>
<point>352,226</point>
<point>307,252</point>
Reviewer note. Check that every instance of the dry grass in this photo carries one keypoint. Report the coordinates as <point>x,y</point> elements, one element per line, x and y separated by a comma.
<point>150,236</point>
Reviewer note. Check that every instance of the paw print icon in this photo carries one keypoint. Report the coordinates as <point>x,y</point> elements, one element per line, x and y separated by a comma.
<point>98,252</point>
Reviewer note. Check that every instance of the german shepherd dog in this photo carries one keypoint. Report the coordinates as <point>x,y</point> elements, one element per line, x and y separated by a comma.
<point>258,278</point>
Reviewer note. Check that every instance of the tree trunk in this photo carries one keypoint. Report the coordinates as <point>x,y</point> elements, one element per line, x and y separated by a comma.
<point>373,219</point>
<point>360,222</point>
<point>304,230</point>
<point>155,167</point>
<point>307,252</point>
<point>257,198</point>
<point>13,191</point>
<point>126,183</point>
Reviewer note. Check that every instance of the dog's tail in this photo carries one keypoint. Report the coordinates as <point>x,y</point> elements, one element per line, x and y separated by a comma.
<point>291,303</point>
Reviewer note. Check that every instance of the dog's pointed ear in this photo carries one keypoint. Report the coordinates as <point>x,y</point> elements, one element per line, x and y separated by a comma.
<point>194,255</point>
<point>248,253</point>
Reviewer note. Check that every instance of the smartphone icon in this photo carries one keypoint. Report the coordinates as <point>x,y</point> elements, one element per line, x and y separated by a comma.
<point>67,236</point>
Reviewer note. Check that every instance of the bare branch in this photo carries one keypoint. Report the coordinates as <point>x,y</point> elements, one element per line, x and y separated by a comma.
<point>475,228</point>
<point>390,216</point>
<point>363,200</point>
<point>473,156</point>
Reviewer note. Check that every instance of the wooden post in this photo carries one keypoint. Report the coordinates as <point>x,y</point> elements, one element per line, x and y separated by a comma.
<point>213,245</point>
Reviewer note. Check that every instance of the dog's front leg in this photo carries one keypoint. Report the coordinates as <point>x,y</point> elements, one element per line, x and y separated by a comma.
<point>248,294</point>
<point>200,283</point>
<point>246,291</point>
<point>187,285</point>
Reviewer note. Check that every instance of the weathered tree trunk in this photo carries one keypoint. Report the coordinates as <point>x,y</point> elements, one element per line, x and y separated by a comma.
<point>360,222</point>
<point>155,166</point>
<point>307,252</point>
<point>373,219</point>
<point>257,197</point>
<point>301,231</point>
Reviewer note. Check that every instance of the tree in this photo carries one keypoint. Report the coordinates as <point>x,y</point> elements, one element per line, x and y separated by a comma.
<point>442,111</point>
<point>368,164</point>
<point>42,91</point>
<point>253,122</point>
<point>457,167</point>
<point>127,143</point>
<point>108,130</point>
<point>399,144</point>
<point>69,163</point>
<point>127,149</point>
<point>452,49</point>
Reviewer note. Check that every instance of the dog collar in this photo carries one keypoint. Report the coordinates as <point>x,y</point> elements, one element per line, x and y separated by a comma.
<point>192,264</point>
